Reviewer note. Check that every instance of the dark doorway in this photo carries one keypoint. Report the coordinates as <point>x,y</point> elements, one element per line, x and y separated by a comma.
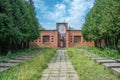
<point>61,40</point>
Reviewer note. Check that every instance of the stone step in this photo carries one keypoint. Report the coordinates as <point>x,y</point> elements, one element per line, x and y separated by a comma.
<point>7,64</point>
<point>20,58</point>
<point>98,58</point>
<point>15,61</point>
<point>116,70</point>
<point>106,61</point>
<point>27,56</point>
<point>3,69</point>
<point>12,61</point>
<point>112,65</point>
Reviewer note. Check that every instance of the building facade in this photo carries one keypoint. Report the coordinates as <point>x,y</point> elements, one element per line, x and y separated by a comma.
<point>61,37</point>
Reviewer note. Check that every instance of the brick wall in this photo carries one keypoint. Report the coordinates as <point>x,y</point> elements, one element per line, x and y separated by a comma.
<point>73,38</point>
<point>52,41</point>
<point>70,39</point>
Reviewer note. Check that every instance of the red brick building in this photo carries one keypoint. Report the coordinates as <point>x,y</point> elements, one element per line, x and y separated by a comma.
<point>61,37</point>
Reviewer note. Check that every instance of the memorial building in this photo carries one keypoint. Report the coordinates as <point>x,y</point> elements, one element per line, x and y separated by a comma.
<point>61,37</point>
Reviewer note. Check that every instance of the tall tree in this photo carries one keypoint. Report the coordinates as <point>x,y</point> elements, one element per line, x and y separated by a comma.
<point>18,24</point>
<point>102,23</point>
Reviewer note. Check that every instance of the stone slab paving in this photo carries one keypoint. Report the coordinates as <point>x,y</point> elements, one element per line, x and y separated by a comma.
<point>106,61</point>
<point>6,64</point>
<point>112,65</point>
<point>60,68</point>
<point>3,69</point>
<point>21,58</point>
<point>116,69</point>
<point>15,61</point>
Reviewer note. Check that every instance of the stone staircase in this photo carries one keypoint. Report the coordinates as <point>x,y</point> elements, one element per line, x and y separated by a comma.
<point>109,63</point>
<point>6,64</point>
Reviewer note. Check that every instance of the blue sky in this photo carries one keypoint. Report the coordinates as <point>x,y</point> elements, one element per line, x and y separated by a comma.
<point>49,12</point>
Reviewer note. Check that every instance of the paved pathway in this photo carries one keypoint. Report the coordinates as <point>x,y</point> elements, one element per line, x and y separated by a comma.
<point>60,68</point>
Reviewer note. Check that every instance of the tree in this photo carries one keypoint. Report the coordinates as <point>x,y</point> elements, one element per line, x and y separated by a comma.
<point>18,24</point>
<point>102,23</point>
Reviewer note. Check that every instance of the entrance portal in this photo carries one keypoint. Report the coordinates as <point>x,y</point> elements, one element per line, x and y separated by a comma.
<point>61,35</point>
<point>61,42</point>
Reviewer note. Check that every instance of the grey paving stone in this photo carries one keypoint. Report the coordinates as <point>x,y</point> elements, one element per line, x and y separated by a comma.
<point>63,78</point>
<point>73,78</point>
<point>71,72</point>
<point>53,78</point>
<point>15,61</point>
<point>3,69</point>
<point>106,61</point>
<point>55,69</point>
<point>60,69</point>
<point>112,65</point>
<point>54,72</point>
<point>21,58</point>
<point>54,75</point>
<point>7,64</point>
<point>44,78</point>
<point>12,61</point>
<point>45,75</point>
<point>98,58</point>
<point>63,75</point>
<point>116,69</point>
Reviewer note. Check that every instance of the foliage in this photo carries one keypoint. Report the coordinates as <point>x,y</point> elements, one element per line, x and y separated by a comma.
<point>41,27</point>
<point>31,69</point>
<point>103,24</point>
<point>18,24</point>
<point>70,28</point>
<point>87,69</point>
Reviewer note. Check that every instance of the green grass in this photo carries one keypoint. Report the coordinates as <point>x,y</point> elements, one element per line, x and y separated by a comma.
<point>87,69</point>
<point>106,52</point>
<point>18,53</point>
<point>31,69</point>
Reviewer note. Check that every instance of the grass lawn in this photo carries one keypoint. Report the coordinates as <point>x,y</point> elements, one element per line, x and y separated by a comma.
<point>87,69</point>
<point>31,69</point>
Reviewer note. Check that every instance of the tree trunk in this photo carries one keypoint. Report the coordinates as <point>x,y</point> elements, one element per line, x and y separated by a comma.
<point>27,44</point>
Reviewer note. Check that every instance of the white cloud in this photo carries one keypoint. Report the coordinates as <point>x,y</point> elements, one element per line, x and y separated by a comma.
<point>60,6</point>
<point>39,4</point>
<point>66,1</point>
<point>59,12</point>
<point>77,11</point>
<point>72,11</point>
